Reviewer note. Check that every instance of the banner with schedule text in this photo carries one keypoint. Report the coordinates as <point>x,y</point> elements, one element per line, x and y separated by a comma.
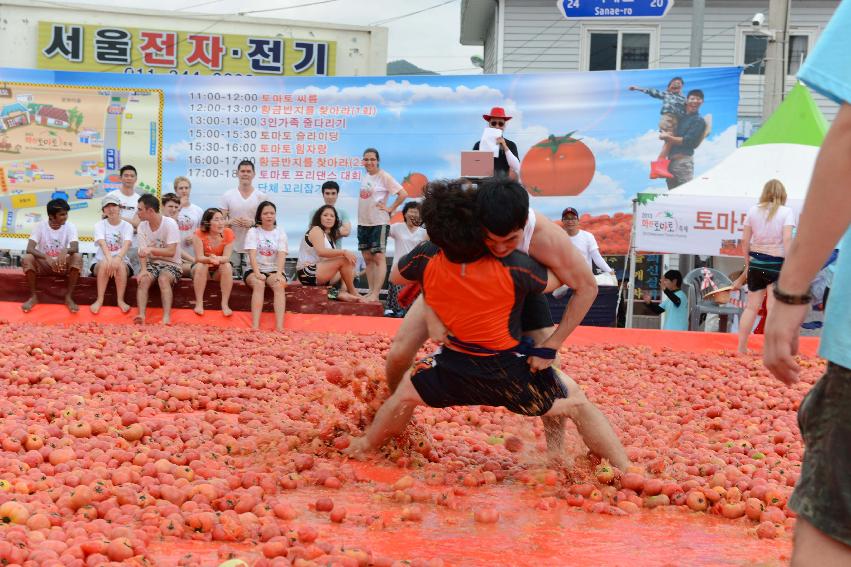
<point>585,140</point>
<point>687,224</point>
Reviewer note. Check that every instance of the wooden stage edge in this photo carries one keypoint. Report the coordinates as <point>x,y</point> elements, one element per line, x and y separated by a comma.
<point>51,314</point>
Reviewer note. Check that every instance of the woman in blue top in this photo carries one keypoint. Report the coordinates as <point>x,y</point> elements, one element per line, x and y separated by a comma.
<point>675,304</point>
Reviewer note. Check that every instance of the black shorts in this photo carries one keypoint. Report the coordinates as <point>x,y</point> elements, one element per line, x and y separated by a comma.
<point>307,275</point>
<point>94,267</point>
<point>373,239</point>
<point>536,313</point>
<point>823,493</point>
<point>763,270</point>
<point>249,271</point>
<point>452,378</point>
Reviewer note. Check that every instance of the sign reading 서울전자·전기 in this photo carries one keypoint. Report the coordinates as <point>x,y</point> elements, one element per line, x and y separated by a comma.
<point>597,9</point>
<point>120,49</point>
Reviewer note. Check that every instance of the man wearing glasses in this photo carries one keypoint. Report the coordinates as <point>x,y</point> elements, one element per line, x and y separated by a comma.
<point>507,163</point>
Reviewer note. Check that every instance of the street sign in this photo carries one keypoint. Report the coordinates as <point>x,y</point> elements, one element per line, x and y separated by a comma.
<point>616,9</point>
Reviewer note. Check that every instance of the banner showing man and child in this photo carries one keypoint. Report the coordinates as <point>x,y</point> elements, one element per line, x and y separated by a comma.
<point>584,140</point>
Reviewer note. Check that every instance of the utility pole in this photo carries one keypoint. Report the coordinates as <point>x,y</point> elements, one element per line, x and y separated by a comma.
<point>697,11</point>
<point>775,56</point>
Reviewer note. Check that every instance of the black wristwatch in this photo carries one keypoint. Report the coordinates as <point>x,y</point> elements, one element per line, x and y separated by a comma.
<point>790,299</point>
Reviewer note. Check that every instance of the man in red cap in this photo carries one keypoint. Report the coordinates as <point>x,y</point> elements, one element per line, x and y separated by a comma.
<point>508,159</point>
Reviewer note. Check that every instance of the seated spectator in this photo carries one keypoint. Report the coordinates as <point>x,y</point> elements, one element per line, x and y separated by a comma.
<point>171,209</point>
<point>213,244</point>
<point>406,236</point>
<point>320,262</point>
<point>159,256</point>
<point>330,193</point>
<point>675,304</point>
<point>266,245</point>
<point>53,248</point>
<point>113,238</point>
<point>188,218</point>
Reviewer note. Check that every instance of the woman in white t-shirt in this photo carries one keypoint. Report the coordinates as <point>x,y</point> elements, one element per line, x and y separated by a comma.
<point>766,236</point>
<point>406,235</point>
<point>113,238</point>
<point>320,262</point>
<point>266,246</point>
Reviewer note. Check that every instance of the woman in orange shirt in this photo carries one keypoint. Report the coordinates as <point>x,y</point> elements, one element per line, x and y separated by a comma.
<point>213,243</point>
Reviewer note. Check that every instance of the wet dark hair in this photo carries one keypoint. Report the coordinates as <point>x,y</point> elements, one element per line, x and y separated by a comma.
<point>170,197</point>
<point>502,205</point>
<point>259,211</point>
<point>675,276</point>
<point>695,92</point>
<point>449,213</point>
<point>127,168</point>
<point>331,185</point>
<point>246,162</point>
<point>334,235</point>
<point>55,206</point>
<point>150,201</point>
<point>207,217</point>
<point>411,205</point>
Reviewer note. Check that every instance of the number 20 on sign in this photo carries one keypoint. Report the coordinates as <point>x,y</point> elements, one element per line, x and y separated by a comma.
<point>601,9</point>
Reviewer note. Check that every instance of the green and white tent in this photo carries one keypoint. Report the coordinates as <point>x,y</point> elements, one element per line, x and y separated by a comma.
<point>785,148</point>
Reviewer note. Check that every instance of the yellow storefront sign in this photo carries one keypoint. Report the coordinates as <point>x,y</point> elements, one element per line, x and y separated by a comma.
<point>114,49</point>
<point>25,200</point>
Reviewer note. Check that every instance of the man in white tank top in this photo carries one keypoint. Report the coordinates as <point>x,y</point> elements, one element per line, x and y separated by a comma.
<point>530,232</point>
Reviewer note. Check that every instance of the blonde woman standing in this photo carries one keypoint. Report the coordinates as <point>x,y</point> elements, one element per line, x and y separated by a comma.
<point>767,235</point>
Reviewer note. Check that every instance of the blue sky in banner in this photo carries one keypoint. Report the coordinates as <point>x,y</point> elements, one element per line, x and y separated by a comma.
<point>423,123</point>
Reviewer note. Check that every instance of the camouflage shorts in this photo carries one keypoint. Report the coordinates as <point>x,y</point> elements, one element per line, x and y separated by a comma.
<point>682,169</point>
<point>823,493</point>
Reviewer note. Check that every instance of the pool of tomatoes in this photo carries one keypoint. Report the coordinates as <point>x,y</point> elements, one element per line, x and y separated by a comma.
<point>123,445</point>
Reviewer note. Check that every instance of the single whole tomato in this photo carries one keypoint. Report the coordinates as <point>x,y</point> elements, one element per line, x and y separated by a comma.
<point>414,183</point>
<point>559,165</point>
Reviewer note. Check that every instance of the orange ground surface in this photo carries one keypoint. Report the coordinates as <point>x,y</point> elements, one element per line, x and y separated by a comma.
<point>678,341</point>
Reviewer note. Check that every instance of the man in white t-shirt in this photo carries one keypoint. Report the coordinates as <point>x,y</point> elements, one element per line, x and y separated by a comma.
<point>188,217</point>
<point>159,255</point>
<point>583,240</point>
<point>53,248</point>
<point>127,202</point>
<point>374,219</point>
<point>239,207</point>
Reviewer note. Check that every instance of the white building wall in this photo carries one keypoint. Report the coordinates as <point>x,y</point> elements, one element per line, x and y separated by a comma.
<point>538,39</point>
<point>360,50</point>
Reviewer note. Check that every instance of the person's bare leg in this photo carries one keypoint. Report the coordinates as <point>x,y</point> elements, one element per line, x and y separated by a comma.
<point>102,280</point>
<point>145,281</point>
<point>166,280</point>
<point>28,265</point>
<point>412,334</point>
<point>120,287</point>
<point>279,289</point>
<point>379,275</point>
<point>370,274</point>
<point>73,277</point>
<point>347,273</point>
<point>200,275</point>
<point>593,427</point>
<point>258,291</point>
<point>814,547</point>
<point>554,434</point>
<point>225,275</point>
<point>390,420</point>
<point>748,317</point>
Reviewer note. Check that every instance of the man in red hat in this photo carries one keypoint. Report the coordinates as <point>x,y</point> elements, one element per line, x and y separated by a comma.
<point>508,161</point>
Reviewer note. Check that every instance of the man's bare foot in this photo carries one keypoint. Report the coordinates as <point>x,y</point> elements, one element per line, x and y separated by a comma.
<point>71,304</point>
<point>358,449</point>
<point>95,307</point>
<point>123,306</point>
<point>31,302</point>
<point>166,319</point>
<point>139,319</point>
<point>346,296</point>
<point>227,311</point>
<point>199,309</point>
<point>369,298</point>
